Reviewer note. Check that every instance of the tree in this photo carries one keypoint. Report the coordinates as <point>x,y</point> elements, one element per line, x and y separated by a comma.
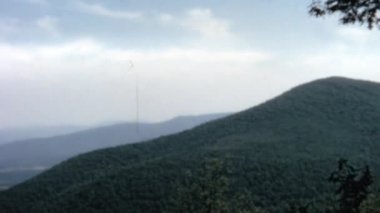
<point>204,191</point>
<point>207,191</point>
<point>353,186</point>
<point>351,11</point>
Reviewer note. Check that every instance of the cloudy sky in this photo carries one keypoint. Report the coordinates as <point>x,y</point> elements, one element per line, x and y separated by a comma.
<point>70,62</point>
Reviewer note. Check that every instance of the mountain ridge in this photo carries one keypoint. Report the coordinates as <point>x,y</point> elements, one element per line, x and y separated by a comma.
<point>19,159</point>
<point>280,150</point>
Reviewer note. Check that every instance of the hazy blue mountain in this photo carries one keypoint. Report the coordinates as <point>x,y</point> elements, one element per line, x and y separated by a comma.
<point>22,159</point>
<point>8,135</point>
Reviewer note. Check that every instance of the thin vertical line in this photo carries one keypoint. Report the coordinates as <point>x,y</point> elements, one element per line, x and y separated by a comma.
<point>137,105</point>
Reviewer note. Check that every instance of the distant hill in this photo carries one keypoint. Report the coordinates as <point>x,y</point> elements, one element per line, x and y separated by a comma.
<point>23,159</point>
<point>8,135</point>
<point>279,151</point>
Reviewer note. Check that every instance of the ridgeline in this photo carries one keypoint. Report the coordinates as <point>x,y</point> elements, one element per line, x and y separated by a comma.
<point>280,151</point>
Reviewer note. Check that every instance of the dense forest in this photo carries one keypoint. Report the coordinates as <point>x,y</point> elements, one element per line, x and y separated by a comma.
<point>21,160</point>
<point>276,156</point>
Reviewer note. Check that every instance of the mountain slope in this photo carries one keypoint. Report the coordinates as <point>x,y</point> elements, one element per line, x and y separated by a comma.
<point>8,135</point>
<point>23,159</point>
<point>279,151</point>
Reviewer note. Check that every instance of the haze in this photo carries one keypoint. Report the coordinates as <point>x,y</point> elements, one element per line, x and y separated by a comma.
<point>69,62</point>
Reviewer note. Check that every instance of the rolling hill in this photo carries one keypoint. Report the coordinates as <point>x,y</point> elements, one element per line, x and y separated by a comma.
<point>23,159</point>
<point>8,135</point>
<point>279,151</point>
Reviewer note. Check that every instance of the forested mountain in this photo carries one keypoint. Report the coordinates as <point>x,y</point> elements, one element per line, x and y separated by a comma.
<point>279,152</point>
<point>23,159</point>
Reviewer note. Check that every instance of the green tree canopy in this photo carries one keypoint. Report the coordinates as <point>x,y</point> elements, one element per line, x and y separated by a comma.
<point>353,186</point>
<point>350,11</point>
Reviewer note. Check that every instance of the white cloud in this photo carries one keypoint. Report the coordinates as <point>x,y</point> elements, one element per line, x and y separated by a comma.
<point>355,34</point>
<point>337,59</point>
<point>352,52</point>
<point>89,48</point>
<point>342,61</point>
<point>48,24</point>
<point>202,21</point>
<point>100,10</point>
<point>86,82</point>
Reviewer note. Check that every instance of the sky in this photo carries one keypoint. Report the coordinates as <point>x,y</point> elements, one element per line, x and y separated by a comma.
<point>82,62</point>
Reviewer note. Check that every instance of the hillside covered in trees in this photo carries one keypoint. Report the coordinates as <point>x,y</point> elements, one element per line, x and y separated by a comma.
<point>277,153</point>
<point>21,160</point>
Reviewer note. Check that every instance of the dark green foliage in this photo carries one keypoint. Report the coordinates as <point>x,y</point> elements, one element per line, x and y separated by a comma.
<point>278,152</point>
<point>351,11</point>
<point>353,186</point>
<point>352,191</point>
<point>300,208</point>
<point>205,191</point>
<point>371,205</point>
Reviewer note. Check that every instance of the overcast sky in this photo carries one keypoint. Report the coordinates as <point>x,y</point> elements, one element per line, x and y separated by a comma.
<point>69,62</point>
